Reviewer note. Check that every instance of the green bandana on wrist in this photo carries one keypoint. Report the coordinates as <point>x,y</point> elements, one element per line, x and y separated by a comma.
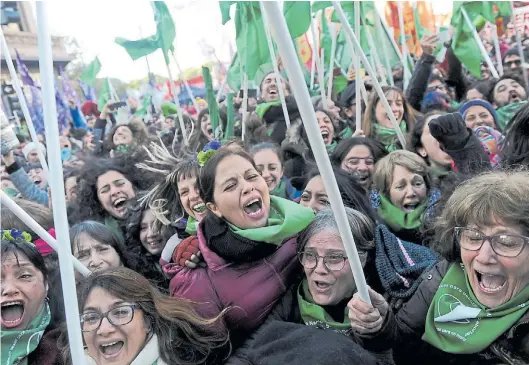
<point>286,219</point>
<point>314,315</point>
<point>397,219</point>
<point>17,345</point>
<point>388,136</point>
<point>192,226</point>
<point>459,324</point>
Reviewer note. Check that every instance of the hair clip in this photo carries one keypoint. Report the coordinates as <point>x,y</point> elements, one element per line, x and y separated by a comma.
<point>15,234</point>
<point>208,151</point>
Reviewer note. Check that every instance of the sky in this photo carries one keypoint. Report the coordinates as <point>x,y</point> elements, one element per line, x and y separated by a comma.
<point>96,23</point>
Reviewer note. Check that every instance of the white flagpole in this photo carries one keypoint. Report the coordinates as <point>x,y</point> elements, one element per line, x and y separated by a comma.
<point>359,80</point>
<point>221,88</point>
<point>315,48</point>
<point>186,84</point>
<point>480,44</point>
<point>332,30</point>
<point>180,115</point>
<point>404,45</point>
<point>497,48</point>
<point>244,105</point>
<point>37,228</point>
<point>380,33</point>
<point>353,43</point>
<point>279,79</point>
<point>519,45</point>
<point>301,93</point>
<point>319,68</point>
<point>22,101</point>
<point>321,81</point>
<point>56,179</point>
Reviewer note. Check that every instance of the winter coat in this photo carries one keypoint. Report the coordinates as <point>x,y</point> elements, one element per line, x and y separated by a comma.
<point>403,331</point>
<point>25,186</point>
<point>47,352</point>
<point>419,81</point>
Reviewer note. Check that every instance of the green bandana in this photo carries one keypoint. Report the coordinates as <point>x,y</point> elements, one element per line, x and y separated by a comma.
<point>113,224</point>
<point>458,323</point>
<point>505,113</point>
<point>261,109</point>
<point>280,190</point>
<point>388,136</point>
<point>286,220</point>
<point>17,345</point>
<point>346,133</point>
<point>314,315</point>
<point>12,193</point>
<point>397,219</point>
<point>192,226</point>
<point>330,148</point>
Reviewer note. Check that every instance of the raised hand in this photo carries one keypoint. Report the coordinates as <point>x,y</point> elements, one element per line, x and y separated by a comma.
<point>367,318</point>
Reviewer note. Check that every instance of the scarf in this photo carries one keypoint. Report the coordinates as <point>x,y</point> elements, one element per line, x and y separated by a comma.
<point>192,226</point>
<point>17,345</point>
<point>316,316</point>
<point>458,323</point>
<point>149,355</point>
<point>245,245</point>
<point>505,114</point>
<point>345,133</point>
<point>399,220</point>
<point>113,224</point>
<point>285,190</point>
<point>261,109</point>
<point>388,136</point>
<point>330,148</point>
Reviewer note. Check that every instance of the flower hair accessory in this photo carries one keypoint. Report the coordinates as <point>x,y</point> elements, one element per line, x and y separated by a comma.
<point>209,150</point>
<point>14,234</point>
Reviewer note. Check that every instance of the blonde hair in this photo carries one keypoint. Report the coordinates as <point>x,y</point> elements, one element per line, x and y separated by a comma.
<point>484,200</point>
<point>384,168</point>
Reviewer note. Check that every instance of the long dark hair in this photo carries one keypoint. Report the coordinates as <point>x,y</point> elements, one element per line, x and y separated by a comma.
<point>376,148</point>
<point>183,336</point>
<point>516,144</point>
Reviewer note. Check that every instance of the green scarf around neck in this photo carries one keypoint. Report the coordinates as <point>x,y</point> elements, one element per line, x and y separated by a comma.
<point>286,219</point>
<point>330,148</point>
<point>388,136</point>
<point>17,345</point>
<point>262,108</point>
<point>314,315</point>
<point>459,324</point>
<point>113,224</point>
<point>505,113</point>
<point>192,226</point>
<point>280,190</point>
<point>397,219</point>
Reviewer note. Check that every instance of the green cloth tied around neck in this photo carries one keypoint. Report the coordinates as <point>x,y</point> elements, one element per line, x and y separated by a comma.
<point>192,226</point>
<point>285,220</point>
<point>17,345</point>
<point>330,148</point>
<point>397,219</point>
<point>314,315</point>
<point>262,108</point>
<point>505,113</point>
<point>459,324</point>
<point>388,136</point>
<point>280,190</point>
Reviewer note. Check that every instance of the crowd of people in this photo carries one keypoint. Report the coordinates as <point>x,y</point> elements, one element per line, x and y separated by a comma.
<point>214,250</point>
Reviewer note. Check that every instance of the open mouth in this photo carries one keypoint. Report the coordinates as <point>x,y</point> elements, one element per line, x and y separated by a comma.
<point>154,243</point>
<point>119,203</point>
<point>12,313</point>
<point>270,182</point>
<point>254,208</point>
<point>111,349</point>
<point>321,286</point>
<point>325,135</point>
<point>514,97</point>
<point>410,207</point>
<point>199,208</point>
<point>37,182</point>
<point>272,91</point>
<point>396,115</point>
<point>489,283</point>
<point>210,131</point>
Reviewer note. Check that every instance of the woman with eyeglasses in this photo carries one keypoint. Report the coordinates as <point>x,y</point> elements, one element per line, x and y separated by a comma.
<point>126,320</point>
<point>470,308</point>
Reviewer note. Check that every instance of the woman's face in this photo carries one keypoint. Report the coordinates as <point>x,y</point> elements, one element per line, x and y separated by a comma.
<point>326,127</point>
<point>315,196</point>
<point>189,194</point>
<point>407,190</point>
<point>70,185</point>
<point>111,344</point>
<point>167,124</point>
<point>431,149</point>
<point>123,135</point>
<point>241,194</point>
<point>113,191</point>
<point>95,255</point>
<point>360,162</point>
<point>268,164</point>
<point>495,279</point>
<point>23,292</point>
<point>149,238</point>
<point>477,116</point>
<point>205,126</point>
<point>397,107</point>
<point>474,94</point>
<point>328,287</point>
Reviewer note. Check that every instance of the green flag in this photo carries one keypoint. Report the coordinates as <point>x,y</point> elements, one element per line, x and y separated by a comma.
<point>463,43</point>
<point>164,37</point>
<point>212,102</point>
<point>230,123</point>
<point>298,17</point>
<point>104,94</point>
<point>90,72</point>
<point>320,5</point>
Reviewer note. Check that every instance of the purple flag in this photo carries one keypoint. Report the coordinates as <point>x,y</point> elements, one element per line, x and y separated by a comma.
<point>23,71</point>
<point>35,109</point>
<point>63,111</point>
<point>88,91</point>
<point>69,91</point>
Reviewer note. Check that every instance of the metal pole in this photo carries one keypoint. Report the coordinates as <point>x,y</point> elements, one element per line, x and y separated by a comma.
<point>244,105</point>
<point>359,81</point>
<point>403,45</point>
<point>286,48</point>
<point>56,177</point>
<point>186,84</point>
<point>332,29</point>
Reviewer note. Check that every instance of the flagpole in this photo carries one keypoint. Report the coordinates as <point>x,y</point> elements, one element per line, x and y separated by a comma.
<point>189,92</point>
<point>497,50</point>
<point>56,182</point>
<point>358,109</point>
<point>519,45</point>
<point>113,92</point>
<point>321,78</point>
<point>334,35</point>
<point>353,43</point>
<point>179,109</point>
<point>403,45</point>
<point>22,101</point>
<point>313,60</point>
<point>279,79</point>
<point>301,93</point>
<point>244,104</point>
<point>318,64</point>
<point>378,64</point>
<point>378,23</point>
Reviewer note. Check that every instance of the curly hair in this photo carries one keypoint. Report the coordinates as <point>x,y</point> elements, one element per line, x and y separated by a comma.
<point>139,135</point>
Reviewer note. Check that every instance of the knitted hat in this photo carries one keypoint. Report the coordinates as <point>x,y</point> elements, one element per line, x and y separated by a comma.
<point>89,108</point>
<point>464,108</point>
<point>33,146</point>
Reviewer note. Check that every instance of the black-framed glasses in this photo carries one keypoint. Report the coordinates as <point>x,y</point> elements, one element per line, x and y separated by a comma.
<point>334,262</point>
<point>503,244</point>
<point>118,316</point>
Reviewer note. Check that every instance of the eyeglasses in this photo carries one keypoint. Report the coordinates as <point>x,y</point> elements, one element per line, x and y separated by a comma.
<point>334,262</point>
<point>118,316</point>
<point>507,245</point>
